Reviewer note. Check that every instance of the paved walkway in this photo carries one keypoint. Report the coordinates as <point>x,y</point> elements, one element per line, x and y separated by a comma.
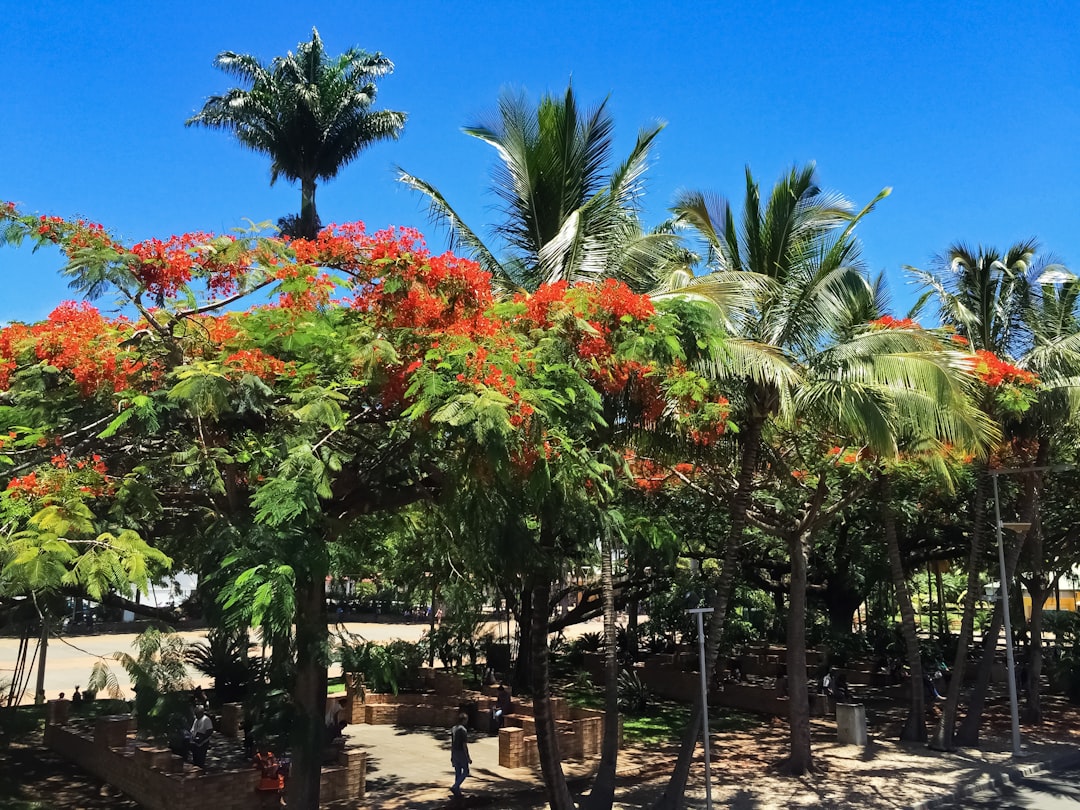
<point>410,768</point>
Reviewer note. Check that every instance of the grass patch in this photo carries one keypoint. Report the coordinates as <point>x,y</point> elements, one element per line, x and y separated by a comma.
<point>663,721</point>
<point>335,689</point>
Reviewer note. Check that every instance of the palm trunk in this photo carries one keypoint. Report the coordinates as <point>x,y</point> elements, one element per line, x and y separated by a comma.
<point>968,733</point>
<point>309,693</point>
<point>1033,710</point>
<point>800,760</point>
<point>602,795</point>
<point>674,795</point>
<point>547,742</point>
<point>915,727</point>
<point>309,219</point>
<point>943,734</point>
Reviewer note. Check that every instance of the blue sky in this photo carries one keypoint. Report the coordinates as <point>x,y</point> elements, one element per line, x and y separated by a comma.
<point>970,111</point>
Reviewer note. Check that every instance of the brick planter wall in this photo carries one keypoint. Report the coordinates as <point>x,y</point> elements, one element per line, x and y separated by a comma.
<point>159,780</point>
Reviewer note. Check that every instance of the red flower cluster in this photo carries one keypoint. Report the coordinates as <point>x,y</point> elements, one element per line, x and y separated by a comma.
<point>994,371</point>
<point>889,322</point>
<point>30,486</point>
<point>257,362</point>
<point>164,267</point>
<point>74,338</point>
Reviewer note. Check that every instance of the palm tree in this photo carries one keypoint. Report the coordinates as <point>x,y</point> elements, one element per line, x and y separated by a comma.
<point>983,294</point>
<point>311,113</point>
<point>796,355</point>
<point>568,212</point>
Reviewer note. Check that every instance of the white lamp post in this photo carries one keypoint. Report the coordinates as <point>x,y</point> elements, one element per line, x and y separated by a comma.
<point>699,612</point>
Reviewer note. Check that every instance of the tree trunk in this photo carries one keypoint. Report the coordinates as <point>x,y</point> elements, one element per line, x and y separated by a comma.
<point>309,692</point>
<point>523,673</point>
<point>39,690</point>
<point>674,795</point>
<point>915,727</point>
<point>1038,587</point>
<point>943,617</point>
<point>943,734</point>
<point>800,760</point>
<point>547,742</point>
<point>309,219</point>
<point>602,795</point>
<point>1033,709</point>
<point>968,733</point>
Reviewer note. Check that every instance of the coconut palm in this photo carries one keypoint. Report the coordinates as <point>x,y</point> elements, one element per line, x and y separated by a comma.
<point>310,112</point>
<point>985,295</point>
<point>796,356</point>
<point>568,211</point>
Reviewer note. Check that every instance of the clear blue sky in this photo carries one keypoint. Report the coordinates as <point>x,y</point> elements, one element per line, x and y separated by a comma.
<point>970,111</point>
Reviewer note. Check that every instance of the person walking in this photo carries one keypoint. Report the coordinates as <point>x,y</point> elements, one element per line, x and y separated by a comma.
<point>459,753</point>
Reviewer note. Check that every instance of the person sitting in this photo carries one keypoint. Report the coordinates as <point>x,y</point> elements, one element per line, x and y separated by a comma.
<point>335,720</point>
<point>503,707</point>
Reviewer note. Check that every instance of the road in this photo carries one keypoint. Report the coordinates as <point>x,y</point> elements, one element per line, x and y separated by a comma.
<point>71,658</point>
<point>1050,791</point>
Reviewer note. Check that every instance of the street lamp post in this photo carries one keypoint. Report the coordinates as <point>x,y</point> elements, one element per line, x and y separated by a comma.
<point>698,613</point>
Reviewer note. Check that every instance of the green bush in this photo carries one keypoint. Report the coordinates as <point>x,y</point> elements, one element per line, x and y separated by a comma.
<point>633,694</point>
<point>383,667</point>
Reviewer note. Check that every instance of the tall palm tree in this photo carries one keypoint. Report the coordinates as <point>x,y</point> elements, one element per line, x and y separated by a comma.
<point>567,211</point>
<point>983,294</point>
<point>795,355</point>
<point>310,112</point>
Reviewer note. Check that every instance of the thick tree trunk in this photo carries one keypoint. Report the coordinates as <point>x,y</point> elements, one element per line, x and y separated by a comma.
<point>842,595</point>
<point>523,673</point>
<point>547,742</point>
<point>309,693</point>
<point>309,219</point>
<point>841,602</point>
<point>915,727</point>
<point>674,795</point>
<point>943,734</point>
<point>602,795</point>
<point>800,760</point>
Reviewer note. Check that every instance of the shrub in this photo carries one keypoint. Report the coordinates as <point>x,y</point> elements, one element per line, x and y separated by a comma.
<point>633,694</point>
<point>224,656</point>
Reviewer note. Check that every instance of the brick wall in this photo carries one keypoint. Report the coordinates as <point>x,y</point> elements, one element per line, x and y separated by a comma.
<point>159,780</point>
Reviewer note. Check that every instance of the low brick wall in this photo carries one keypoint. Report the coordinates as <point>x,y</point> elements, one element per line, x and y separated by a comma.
<point>159,780</point>
<point>580,733</point>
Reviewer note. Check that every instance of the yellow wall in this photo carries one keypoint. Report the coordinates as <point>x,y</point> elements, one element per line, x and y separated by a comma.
<point>1067,602</point>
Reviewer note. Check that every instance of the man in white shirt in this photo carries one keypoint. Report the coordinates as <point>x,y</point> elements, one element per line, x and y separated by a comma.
<point>199,738</point>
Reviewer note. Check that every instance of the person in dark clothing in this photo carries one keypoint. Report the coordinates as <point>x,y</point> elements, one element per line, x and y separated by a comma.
<point>459,753</point>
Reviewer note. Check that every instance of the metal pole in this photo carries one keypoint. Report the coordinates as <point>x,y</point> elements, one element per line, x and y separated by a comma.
<point>704,702</point>
<point>1004,594</point>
